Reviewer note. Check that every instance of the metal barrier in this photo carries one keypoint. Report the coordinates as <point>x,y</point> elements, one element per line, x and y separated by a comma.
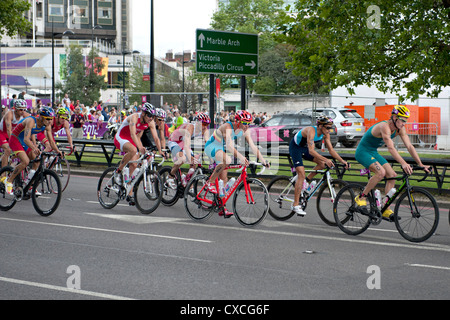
<point>108,151</point>
<point>422,135</point>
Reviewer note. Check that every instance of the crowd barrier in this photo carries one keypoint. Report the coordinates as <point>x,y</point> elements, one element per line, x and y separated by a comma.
<point>101,150</point>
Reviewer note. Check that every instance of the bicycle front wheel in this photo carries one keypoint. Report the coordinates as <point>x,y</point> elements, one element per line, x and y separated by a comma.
<point>46,193</point>
<point>62,169</point>
<point>198,201</point>
<point>251,204</point>
<point>148,192</point>
<point>7,201</point>
<point>281,197</point>
<point>416,217</point>
<point>169,194</point>
<point>348,216</point>
<point>108,191</point>
<point>325,201</point>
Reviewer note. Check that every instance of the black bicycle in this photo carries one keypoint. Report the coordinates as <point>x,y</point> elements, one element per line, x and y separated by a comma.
<point>44,188</point>
<point>416,213</point>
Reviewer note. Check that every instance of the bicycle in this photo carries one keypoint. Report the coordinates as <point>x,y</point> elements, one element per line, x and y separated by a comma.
<point>45,188</point>
<point>170,194</point>
<point>146,186</point>
<point>281,191</point>
<point>250,200</point>
<point>416,213</point>
<point>62,168</point>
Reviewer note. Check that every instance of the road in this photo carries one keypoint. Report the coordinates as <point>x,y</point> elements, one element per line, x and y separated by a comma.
<point>83,251</point>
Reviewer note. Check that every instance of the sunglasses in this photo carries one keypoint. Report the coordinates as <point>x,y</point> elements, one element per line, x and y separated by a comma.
<point>245,123</point>
<point>403,119</point>
<point>64,117</point>
<point>328,128</point>
<point>48,118</point>
<point>160,119</point>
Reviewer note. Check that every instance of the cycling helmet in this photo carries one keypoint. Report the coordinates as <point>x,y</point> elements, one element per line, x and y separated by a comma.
<point>46,112</point>
<point>160,113</point>
<point>401,111</point>
<point>20,104</point>
<point>242,116</point>
<point>324,120</point>
<point>148,108</point>
<point>62,112</point>
<point>203,117</point>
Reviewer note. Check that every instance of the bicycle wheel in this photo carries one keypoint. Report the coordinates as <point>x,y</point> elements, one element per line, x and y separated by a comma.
<point>198,201</point>
<point>148,192</point>
<point>108,192</point>
<point>46,192</point>
<point>62,169</point>
<point>7,201</point>
<point>416,220</point>
<point>251,205</point>
<point>169,195</point>
<point>348,216</point>
<point>325,201</point>
<point>281,197</point>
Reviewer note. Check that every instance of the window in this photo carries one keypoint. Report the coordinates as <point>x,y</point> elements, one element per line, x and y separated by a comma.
<point>305,121</point>
<point>273,122</point>
<point>291,121</point>
<point>56,10</point>
<point>104,13</point>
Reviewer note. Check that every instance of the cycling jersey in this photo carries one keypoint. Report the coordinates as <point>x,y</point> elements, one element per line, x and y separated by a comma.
<point>3,132</point>
<point>55,128</point>
<point>216,142</point>
<point>16,141</point>
<point>366,152</point>
<point>123,135</point>
<point>298,149</point>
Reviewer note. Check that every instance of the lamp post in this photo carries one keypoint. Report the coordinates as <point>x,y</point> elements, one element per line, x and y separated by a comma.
<point>124,53</point>
<point>65,33</point>
<point>92,44</point>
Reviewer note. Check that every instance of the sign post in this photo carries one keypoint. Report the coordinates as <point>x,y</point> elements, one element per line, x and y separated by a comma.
<point>233,53</point>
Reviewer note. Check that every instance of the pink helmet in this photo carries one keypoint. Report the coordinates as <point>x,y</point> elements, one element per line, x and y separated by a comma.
<point>242,116</point>
<point>203,117</point>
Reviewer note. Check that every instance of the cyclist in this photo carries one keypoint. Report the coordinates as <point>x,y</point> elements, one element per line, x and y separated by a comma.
<point>22,141</point>
<point>128,140</point>
<point>60,121</point>
<point>221,140</point>
<point>180,143</point>
<point>149,140</point>
<point>302,146</point>
<point>8,123</point>
<point>366,153</point>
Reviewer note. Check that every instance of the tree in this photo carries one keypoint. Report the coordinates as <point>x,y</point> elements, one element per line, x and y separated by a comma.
<point>389,44</point>
<point>82,82</point>
<point>12,19</point>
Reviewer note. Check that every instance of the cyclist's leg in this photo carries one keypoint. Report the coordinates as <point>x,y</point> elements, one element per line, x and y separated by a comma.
<point>296,153</point>
<point>6,154</point>
<point>372,160</point>
<point>390,173</point>
<point>17,147</point>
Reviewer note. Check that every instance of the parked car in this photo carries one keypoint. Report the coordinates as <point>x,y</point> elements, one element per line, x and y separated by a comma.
<point>282,127</point>
<point>349,124</point>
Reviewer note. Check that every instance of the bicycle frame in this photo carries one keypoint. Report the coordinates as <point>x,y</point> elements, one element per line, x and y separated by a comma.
<point>145,160</point>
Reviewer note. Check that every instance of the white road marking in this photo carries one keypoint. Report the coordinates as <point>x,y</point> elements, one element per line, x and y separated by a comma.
<point>427,266</point>
<point>64,289</point>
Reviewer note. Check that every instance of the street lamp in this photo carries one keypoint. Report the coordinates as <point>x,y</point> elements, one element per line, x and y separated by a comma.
<point>123,73</point>
<point>92,44</point>
<point>65,33</point>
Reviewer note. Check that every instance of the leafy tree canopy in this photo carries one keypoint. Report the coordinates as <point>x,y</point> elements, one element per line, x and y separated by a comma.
<point>12,19</point>
<point>390,44</point>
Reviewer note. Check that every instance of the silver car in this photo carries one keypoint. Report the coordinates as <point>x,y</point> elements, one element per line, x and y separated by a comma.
<point>349,124</point>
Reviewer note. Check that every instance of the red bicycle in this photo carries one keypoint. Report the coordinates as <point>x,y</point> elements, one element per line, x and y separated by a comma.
<point>250,198</point>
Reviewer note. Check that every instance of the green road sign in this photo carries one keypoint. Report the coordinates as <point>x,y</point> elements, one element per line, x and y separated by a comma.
<point>226,52</point>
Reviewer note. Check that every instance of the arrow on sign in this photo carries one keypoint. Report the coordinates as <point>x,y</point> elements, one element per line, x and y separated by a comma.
<point>201,37</point>
<point>251,64</point>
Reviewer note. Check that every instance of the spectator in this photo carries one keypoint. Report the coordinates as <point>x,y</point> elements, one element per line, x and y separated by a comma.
<point>77,120</point>
<point>11,103</point>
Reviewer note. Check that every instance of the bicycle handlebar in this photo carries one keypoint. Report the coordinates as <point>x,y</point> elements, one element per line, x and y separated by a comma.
<point>416,167</point>
<point>253,163</point>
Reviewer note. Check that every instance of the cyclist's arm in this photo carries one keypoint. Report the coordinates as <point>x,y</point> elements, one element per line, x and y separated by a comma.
<point>163,138</point>
<point>253,147</point>
<point>386,135</point>
<point>49,133</point>
<point>230,143</point>
<point>331,150</point>
<point>187,134</point>
<point>7,122</point>
<point>154,133</point>
<point>412,151</point>
<point>69,136</point>
<point>312,147</point>
<point>132,120</point>
<point>27,137</point>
